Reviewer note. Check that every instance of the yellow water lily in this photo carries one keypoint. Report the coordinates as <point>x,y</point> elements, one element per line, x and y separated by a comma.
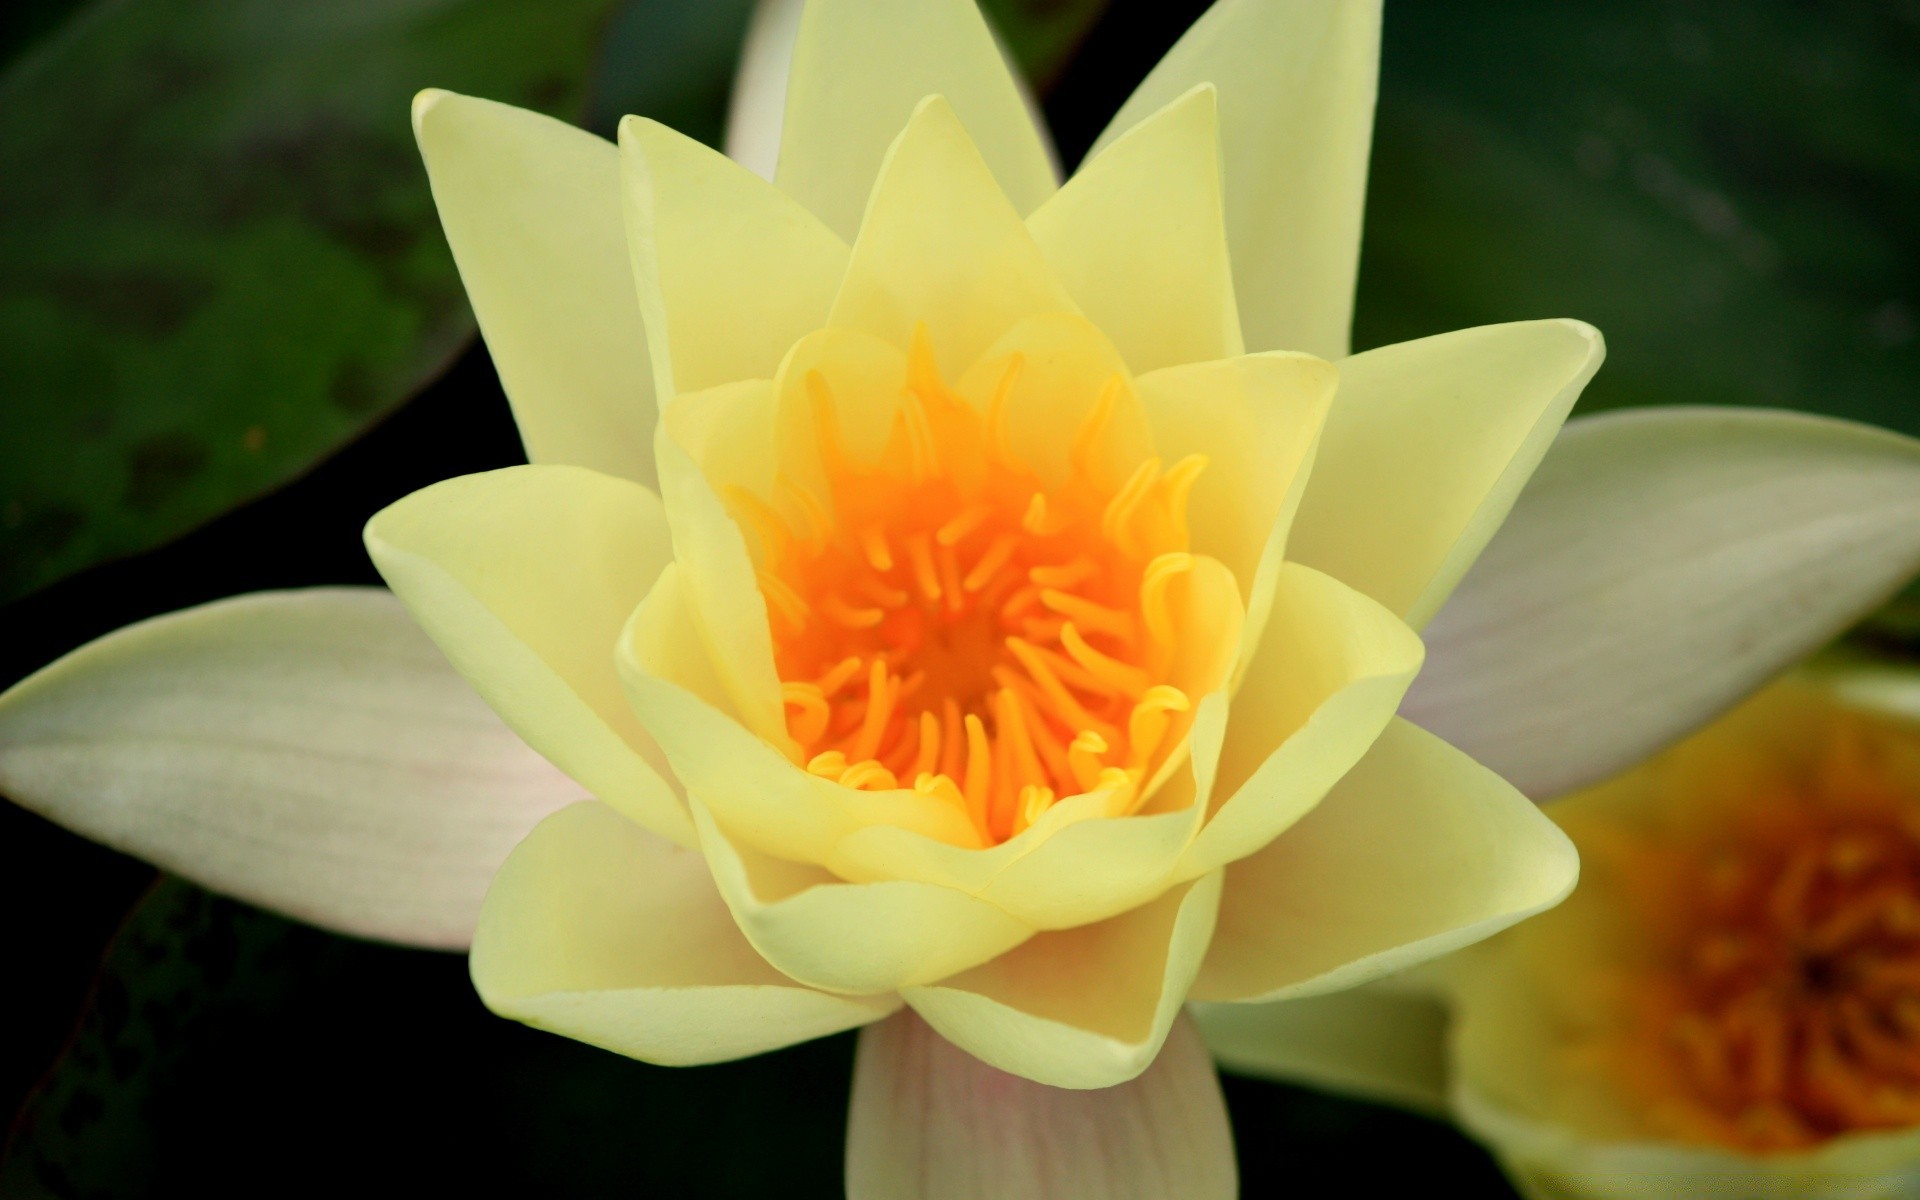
<point>1013,646</point>
<point>1729,1005</point>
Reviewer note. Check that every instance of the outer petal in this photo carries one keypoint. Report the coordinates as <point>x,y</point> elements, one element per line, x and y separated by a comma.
<point>859,69</point>
<point>1080,1008</point>
<point>1372,1042</point>
<point>597,930</point>
<point>1296,81</point>
<point>1258,421</point>
<point>525,577</point>
<point>1418,851</point>
<point>942,244</point>
<point>730,271</point>
<point>852,937</point>
<point>1331,669</point>
<point>1661,566</point>
<point>1551,1161</point>
<point>1138,239</point>
<point>306,751</point>
<point>930,1120</point>
<point>531,207</point>
<point>1428,444</point>
<point>756,110</point>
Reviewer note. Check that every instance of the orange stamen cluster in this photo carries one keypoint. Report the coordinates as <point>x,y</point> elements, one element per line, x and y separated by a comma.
<point>946,622</point>
<point>1789,1009</point>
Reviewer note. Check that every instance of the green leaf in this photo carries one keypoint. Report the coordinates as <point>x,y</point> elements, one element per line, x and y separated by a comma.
<point>1043,34</point>
<point>225,1051</point>
<point>220,254</point>
<point>1729,190</point>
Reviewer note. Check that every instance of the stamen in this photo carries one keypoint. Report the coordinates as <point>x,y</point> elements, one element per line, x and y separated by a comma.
<point>1130,681</point>
<point>879,554</point>
<point>1083,756</point>
<point>989,564</point>
<point>962,525</point>
<point>920,555</point>
<point>840,612</point>
<point>869,776</point>
<point>810,724</point>
<point>1097,617</point>
<point>828,764</point>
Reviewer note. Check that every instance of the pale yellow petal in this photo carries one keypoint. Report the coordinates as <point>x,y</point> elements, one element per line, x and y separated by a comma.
<point>860,938</point>
<point>1330,670</point>
<point>1426,449</point>
<point>1374,1042</point>
<point>531,207</point>
<point>930,1120</point>
<point>858,71</point>
<point>1418,851</point>
<point>730,271</point>
<point>525,577</point>
<point>775,806</point>
<point>599,931</point>
<point>942,245</point>
<point>1065,366</point>
<point>729,613</point>
<point>307,751</point>
<point>1258,420</point>
<point>1080,1008</point>
<point>1138,239</point>
<point>1296,80</point>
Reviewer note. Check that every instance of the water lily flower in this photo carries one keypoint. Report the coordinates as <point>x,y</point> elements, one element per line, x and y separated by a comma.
<point>1019,640</point>
<point>1729,1005</point>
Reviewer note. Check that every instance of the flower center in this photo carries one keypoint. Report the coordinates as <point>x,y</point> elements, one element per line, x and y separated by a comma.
<point>1792,1012</point>
<point>947,622</point>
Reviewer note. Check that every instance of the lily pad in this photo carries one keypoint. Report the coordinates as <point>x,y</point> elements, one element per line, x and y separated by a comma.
<point>1729,190</point>
<point>220,254</point>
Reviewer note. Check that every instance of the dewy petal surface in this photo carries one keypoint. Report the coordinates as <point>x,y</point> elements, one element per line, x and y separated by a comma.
<point>941,244</point>
<point>600,931</point>
<point>859,70</point>
<point>1427,447</point>
<point>1375,1041</point>
<point>929,1120</point>
<point>1419,850</point>
<point>1662,565</point>
<point>1331,669</point>
<point>531,207</point>
<point>730,271</point>
<point>525,577</point>
<point>1296,80</point>
<point>1080,1008</point>
<point>1138,239</point>
<point>307,751</point>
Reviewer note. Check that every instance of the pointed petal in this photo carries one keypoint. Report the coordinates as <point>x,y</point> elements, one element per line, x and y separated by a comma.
<point>941,244</point>
<point>757,109</point>
<point>600,931</point>
<point>1296,81</point>
<point>1418,851</point>
<point>1258,421</point>
<point>1428,444</point>
<point>1372,1042</point>
<point>730,271</point>
<point>1330,671</point>
<point>1138,239</point>
<point>861,938</point>
<point>308,751</point>
<point>929,1120</point>
<point>531,207</point>
<point>1662,565</point>
<point>1080,1008</point>
<point>859,69</point>
<point>525,577</point>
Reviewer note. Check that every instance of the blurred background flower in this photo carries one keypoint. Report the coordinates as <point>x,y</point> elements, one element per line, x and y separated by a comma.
<point>218,266</point>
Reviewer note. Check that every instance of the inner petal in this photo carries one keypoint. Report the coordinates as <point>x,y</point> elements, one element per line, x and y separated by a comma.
<point>946,619</point>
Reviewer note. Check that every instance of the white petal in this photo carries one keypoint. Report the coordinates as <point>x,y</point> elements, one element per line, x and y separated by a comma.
<point>1374,1041</point>
<point>1661,565</point>
<point>310,752</point>
<point>756,112</point>
<point>932,1122</point>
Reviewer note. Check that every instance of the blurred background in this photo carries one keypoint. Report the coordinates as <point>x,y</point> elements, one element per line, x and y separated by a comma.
<point>230,331</point>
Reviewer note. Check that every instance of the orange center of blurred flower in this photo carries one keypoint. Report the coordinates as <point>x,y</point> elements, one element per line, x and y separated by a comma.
<point>949,624</point>
<point>1789,1011</point>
